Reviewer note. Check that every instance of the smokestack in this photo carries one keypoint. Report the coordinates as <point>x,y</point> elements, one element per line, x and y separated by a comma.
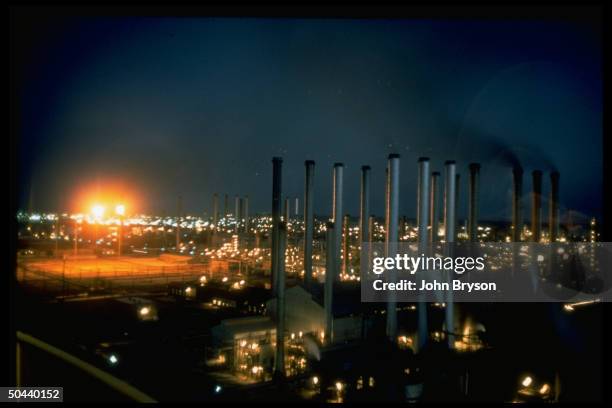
<point>370,238</point>
<point>179,209</point>
<point>536,206</point>
<point>279,361</point>
<point>392,219</point>
<point>287,210</point>
<point>308,221</point>
<point>457,202</point>
<point>241,209</point>
<point>517,196</point>
<point>364,208</point>
<point>277,168</point>
<point>246,214</point>
<point>236,212</point>
<point>423,196</point>
<point>345,247</point>
<point>236,207</point>
<point>450,208</point>
<point>553,214</point>
<point>435,206</point>
<point>337,214</point>
<point>330,263</point>
<point>297,207</point>
<point>215,209</point>
<point>473,202</point>
<point>226,206</point>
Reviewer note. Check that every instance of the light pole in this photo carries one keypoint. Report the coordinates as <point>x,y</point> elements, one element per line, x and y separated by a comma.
<point>120,210</point>
<point>97,211</point>
<point>76,236</point>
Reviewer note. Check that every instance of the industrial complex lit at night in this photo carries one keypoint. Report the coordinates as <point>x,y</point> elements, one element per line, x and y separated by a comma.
<point>200,249</point>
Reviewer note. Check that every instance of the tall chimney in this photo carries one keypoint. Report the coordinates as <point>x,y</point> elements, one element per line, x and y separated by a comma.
<point>279,361</point>
<point>246,213</point>
<point>287,211</point>
<point>179,210</point>
<point>450,208</point>
<point>392,219</point>
<point>215,209</point>
<point>422,201</point>
<point>371,220</point>
<point>297,207</point>
<point>337,214</point>
<point>330,263</point>
<point>473,202</point>
<point>236,207</point>
<point>423,196</point>
<point>226,206</point>
<point>277,168</point>
<point>345,245</point>
<point>553,213</point>
<point>434,213</point>
<point>364,208</point>
<point>517,197</point>
<point>536,206</point>
<point>308,221</point>
<point>241,209</point>
<point>457,201</point>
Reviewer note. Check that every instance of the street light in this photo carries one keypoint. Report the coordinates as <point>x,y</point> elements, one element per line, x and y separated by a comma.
<point>98,211</point>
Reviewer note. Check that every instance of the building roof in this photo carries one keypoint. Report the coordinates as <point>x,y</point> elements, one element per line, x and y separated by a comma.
<point>231,328</point>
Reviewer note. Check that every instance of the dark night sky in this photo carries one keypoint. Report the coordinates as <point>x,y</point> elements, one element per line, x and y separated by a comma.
<point>197,106</point>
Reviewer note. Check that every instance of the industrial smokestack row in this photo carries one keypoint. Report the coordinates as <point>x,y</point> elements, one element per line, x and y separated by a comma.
<point>434,209</point>
<point>277,165</point>
<point>279,361</point>
<point>536,206</point>
<point>517,197</point>
<point>391,220</point>
<point>450,208</point>
<point>337,214</point>
<point>308,221</point>
<point>328,292</point>
<point>553,213</point>
<point>423,197</point>
<point>473,202</point>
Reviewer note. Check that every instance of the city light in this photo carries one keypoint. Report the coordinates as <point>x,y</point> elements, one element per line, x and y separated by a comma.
<point>544,389</point>
<point>527,381</point>
<point>120,209</point>
<point>113,359</point>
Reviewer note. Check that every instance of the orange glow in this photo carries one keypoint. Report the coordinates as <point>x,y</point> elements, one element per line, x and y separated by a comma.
<point>112,195</point>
